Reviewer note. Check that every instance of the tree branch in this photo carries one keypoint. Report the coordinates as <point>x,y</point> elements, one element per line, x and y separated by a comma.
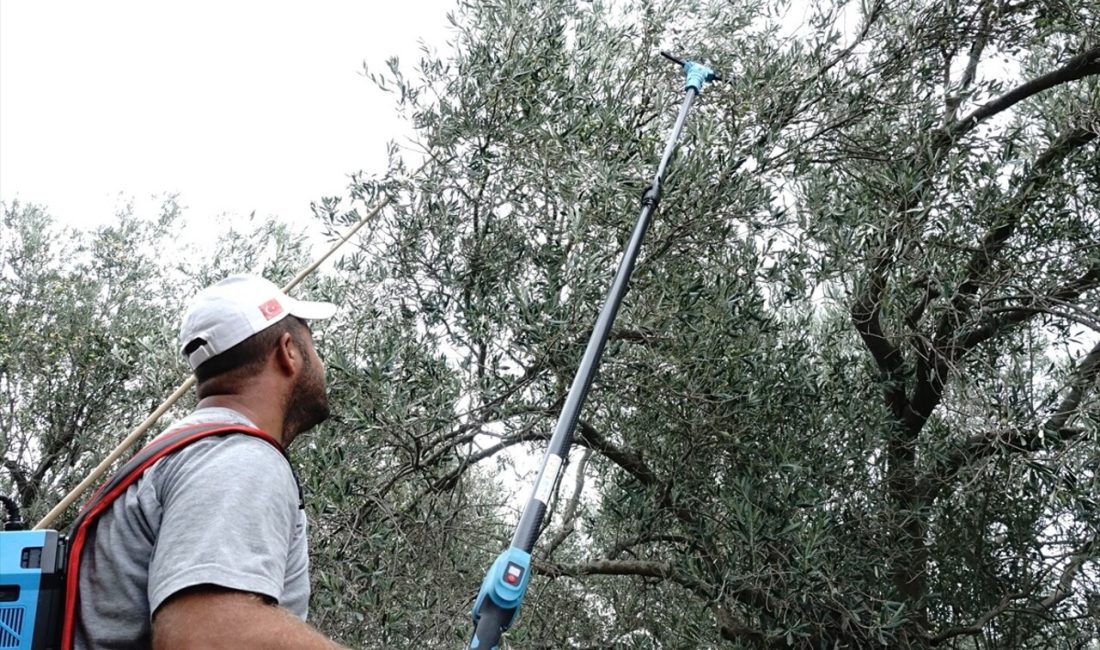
<point>973,58</point>
<point>28,492</point>
<point>948,346</point>
<point>979,624</point>
<point>569,517</point>
<point>729,628</point>
<point>866,314</point>
<point>991,326</point>
<point>995,239</point>
<point>628,460</point>
<point>867,317</point>
<point>634,336</point>
<point>641,568</point>
<point>645,538</point>
<point>983,445</point>
<point>1064,588</point>
<point>715,596</point>
<point>1082,65</point>
<point>931,292</point>
<point>590,437</point>
<point>527,434</point>
<point>1085,377</point>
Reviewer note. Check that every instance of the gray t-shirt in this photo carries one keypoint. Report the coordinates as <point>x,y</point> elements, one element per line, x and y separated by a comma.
<point>223,511</point>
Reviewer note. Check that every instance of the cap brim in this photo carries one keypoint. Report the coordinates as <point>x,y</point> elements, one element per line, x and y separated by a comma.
<point>312,310</point>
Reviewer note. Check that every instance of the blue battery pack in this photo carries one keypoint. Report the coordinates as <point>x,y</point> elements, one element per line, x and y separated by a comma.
<point>32,583</point>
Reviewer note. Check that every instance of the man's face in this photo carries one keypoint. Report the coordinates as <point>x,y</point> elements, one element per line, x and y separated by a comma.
<point>308,405</point>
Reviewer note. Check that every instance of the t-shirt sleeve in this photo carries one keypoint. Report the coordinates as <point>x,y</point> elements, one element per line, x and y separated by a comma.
<point>229,512</point>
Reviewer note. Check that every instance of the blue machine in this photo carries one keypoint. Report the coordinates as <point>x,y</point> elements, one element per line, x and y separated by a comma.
<point>32,581</point>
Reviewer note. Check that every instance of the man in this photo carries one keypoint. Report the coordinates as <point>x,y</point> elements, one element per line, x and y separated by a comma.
<point>208,548</point>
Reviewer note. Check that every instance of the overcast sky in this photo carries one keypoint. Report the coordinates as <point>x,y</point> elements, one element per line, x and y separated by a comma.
<point>236,106</point>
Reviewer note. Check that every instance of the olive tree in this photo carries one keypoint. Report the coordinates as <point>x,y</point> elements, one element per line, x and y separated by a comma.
<point>850,398</point>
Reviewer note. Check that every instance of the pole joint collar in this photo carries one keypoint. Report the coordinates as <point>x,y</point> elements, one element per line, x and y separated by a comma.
<point>697,75</point>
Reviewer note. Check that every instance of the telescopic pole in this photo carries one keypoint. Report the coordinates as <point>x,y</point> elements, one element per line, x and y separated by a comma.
<point>502,591</point>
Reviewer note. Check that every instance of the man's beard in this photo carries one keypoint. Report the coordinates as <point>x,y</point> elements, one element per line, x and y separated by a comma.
<point>308,405</point>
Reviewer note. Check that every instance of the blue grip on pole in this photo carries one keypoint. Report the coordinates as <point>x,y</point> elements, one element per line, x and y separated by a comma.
<point>505,583</point>
<point>697,74</point>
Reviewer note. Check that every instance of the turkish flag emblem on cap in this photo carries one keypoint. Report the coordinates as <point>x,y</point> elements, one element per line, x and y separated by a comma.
<point>271,309</point>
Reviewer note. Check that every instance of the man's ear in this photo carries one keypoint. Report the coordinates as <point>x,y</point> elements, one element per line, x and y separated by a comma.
<point>288,358</point>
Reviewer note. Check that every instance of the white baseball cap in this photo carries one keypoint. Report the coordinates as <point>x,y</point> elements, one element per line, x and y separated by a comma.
<point>236,308</point>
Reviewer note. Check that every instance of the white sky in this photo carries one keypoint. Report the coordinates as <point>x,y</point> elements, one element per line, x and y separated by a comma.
<point>236,106</point>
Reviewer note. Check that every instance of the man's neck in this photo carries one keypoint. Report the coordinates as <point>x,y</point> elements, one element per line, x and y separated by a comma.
<point>268,422</point>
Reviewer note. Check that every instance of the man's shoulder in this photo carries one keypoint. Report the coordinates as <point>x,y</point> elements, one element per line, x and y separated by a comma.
<point>210,415</point>
<point>227,446</point>
<point>227,443</point>
<point>228,456</point>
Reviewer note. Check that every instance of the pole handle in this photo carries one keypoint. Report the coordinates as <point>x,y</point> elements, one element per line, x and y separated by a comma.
<point>489,627</point>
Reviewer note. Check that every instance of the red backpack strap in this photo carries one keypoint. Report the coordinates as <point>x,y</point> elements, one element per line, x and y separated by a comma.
<point>125,477</point>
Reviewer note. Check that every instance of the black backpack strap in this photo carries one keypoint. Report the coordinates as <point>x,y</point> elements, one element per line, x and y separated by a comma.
<point>126,476</point>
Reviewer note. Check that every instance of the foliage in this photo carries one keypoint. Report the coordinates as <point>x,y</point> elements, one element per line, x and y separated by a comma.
<point>84,324</point>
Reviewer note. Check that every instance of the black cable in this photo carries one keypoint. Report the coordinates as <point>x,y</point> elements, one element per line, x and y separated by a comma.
<point>15,520</point>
